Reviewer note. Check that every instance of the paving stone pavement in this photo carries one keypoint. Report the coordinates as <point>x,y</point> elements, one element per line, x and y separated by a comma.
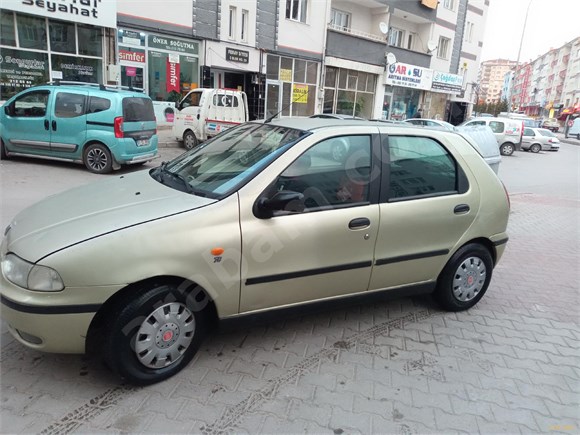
<point>509,365</point>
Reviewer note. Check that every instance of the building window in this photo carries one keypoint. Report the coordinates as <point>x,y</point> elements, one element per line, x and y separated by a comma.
<point>245,20</point>
<point>232,33</point>
<point>296,10</point>
<point>449,4</point>
<point>396,37</point>
<point>349,92</point>
<point>411,37</point>
<point>468,37</point>
<point>340,19</point>
<point>442,50</point>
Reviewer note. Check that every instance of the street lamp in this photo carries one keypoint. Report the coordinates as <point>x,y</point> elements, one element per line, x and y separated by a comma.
<point>509,109</point>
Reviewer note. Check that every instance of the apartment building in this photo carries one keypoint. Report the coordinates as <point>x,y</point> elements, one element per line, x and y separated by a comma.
<point>370,58</point>
<point>491,79</point>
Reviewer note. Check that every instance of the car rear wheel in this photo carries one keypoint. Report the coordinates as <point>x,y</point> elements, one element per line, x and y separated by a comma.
<point>98,159</point>
<point>507,149</point>
<point>154,335</point>
<point>465,278</point>
<point>535,148</point>
<point>189,140</point>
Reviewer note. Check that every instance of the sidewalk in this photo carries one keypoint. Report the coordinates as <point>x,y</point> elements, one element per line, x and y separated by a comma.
<point>571,140</point>
<point>166,138</point>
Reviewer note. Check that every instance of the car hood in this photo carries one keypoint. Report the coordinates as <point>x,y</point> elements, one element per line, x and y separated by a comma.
<point>92,210</point>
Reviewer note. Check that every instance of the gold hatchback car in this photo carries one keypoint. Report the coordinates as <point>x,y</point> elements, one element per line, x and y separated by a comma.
<point>261,217</point>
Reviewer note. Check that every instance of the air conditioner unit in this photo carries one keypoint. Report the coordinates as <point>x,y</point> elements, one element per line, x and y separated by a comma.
<point>113,73</point>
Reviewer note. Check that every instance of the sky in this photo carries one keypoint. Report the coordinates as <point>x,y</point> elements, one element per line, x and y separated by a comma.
<point>550,24</point>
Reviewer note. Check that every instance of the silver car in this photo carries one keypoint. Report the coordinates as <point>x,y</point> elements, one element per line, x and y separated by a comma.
<point>539,139</point>
<point>139,267</point>
<point>433,123</point>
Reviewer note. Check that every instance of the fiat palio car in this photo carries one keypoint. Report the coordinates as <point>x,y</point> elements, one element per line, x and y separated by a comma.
<point>260,218</point>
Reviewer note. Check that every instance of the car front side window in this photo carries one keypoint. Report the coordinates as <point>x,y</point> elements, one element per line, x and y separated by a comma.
<point>31,105</point>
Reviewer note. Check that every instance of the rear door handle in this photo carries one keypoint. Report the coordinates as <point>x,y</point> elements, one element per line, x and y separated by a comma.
<point>46,124</point>
<point>461,208</point>
<point>358,223</point>
<point>53,125</point>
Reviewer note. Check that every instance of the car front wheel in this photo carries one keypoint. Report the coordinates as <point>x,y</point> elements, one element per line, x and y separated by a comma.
<point>507,149</point>
<point>189,140</point>
<point>154,335</point>
<point>465,278</point>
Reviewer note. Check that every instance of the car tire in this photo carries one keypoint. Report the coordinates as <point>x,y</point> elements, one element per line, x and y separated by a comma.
<point>507,149</point>
<point>189,140</point>
<point>3,154</point>
<point>465,278</point>
<point>535,148</point>
<point>98,159</point>
<point>153,335</point>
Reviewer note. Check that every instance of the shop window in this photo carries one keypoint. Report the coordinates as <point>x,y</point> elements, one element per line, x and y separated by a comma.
<point>62,37</point>
<point>396,37</point>
<point>90,38</point>
<point>68,105</point>
<point>296,10</point>
<point>232,28</point>
<point>311,72</point>
<point>419,166</point>
<point>286,65</point>
<point>443,48</point>
<point>31,32</point>
<point>330,77</point>
<point>353,95</point>
<point>7,33</point>
<point>300,71</point>
<point>272,67</point>
<point>78,69</point>
<point>340,19</point>
<point>164,87</point>
<point>32,71</point>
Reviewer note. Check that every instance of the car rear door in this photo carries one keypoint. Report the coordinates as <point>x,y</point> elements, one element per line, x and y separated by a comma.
<point>320,251</point>
<point>527,138</point>
<point>427,204</point>
<point>68,124</point>
<point>139,121</point>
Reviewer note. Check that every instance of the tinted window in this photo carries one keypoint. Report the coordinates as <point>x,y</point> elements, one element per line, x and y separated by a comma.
<point>547,133</point>
<point>420,166</point>
<point>32,104</point>
<point>528,132</point>
<point>69,105</point>
<point>138,109</point>
<point>98,104</point>
<point>496,126</point>
<point>326,180</point>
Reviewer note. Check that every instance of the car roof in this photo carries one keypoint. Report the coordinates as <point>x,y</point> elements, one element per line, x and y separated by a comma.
<point>310,124</point>
<point>93,88</point>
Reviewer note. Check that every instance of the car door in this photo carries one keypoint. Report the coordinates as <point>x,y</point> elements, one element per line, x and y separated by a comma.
<point>322,245</point>
<point>68,123</point>
<point>426,206</point>
<point>527,138</point>
<point>26,126</point>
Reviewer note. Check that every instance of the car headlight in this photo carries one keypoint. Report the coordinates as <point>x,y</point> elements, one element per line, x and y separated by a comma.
<point>30,276</point>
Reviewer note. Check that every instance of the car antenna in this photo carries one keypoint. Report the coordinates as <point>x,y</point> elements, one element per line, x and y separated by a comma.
<point>267,121</point>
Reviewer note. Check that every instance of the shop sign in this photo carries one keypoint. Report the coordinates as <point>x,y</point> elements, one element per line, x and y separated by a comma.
<point>22,68</point>
<point>130,37</point>
<point>300,94</point>
<point>96,12</point>
<point>171,44</point>
<point>448,83</point>
<point>286,75</point>
<point>131,71</point>
<point>409,76</point>
<point>235,55</point>
<point>131,55</point>
<point>172,76</point>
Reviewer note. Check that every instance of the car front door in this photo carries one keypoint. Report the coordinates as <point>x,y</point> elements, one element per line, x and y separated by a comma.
<point>68,123</point>
<point>26,126</point>
<point>426,206</point>
<point>527,138</point>
<point>321,245</point>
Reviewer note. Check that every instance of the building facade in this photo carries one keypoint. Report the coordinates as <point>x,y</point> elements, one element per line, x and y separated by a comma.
<point>491,79</point>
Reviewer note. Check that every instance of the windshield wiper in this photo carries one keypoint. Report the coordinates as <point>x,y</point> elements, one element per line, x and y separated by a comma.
<point>163,171</point>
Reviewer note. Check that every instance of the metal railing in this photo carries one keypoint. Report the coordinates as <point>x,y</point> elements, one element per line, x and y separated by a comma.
<point>359,33</point>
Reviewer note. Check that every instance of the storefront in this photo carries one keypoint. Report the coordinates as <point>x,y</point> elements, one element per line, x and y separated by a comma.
<point>349,92</point>
<point>39,44</point>
<point>290,86</point>
<point>404,87</point>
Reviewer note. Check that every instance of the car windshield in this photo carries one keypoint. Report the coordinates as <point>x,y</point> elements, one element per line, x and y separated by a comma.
<point>546,133</point>
<point>225,163</point>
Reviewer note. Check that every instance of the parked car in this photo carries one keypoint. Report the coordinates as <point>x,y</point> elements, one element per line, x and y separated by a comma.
<point>551,124</point>
<point>484,141</point>
<point>334,116</point>
<point>507,131</point>
<point>137,268</point>
<point>537,139</point>
<point>431,123</point>
<point>101,127</point>
<point>574,130</point>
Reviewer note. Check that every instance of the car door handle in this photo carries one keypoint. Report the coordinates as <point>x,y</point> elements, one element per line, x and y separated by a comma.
<point>46,124</point>
<point>461,208</point>
<point>53,125</point>
<point>358,223</point>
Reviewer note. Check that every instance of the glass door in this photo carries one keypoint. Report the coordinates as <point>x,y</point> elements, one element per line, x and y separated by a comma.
<point>273,99</point>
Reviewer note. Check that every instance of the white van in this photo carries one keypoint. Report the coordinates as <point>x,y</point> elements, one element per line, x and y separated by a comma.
<point>204,113</point>
<point>574,130</point>
<point>508,132</point>
<point>484,141</point>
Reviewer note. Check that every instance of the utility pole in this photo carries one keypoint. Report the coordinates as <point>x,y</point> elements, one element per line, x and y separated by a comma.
<point>509,109</point>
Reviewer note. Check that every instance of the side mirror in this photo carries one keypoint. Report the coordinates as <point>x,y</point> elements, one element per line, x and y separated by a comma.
<point>283,200</point>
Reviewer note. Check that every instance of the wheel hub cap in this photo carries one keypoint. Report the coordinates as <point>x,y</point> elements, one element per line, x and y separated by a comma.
<point>469,279</point>
<point>165,335</point>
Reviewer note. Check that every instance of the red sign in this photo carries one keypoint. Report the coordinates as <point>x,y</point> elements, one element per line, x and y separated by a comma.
<point>131,71</point>
<point>131,56</point>
<point>172,77</point>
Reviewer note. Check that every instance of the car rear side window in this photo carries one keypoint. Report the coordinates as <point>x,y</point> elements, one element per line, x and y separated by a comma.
<point>137,109</point>
<point>420,166</point>
<point>98,104</point>
<point>496,126</point>
<point>69,105</point>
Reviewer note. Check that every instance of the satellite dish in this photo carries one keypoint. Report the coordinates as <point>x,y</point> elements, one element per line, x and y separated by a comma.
<point>391,58</point>
<point>431,45</point>
<point>383,27</point>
